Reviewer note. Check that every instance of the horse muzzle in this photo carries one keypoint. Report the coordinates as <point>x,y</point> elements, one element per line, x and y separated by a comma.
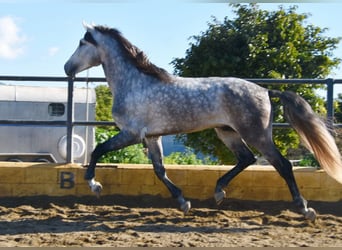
<point>69,69</point>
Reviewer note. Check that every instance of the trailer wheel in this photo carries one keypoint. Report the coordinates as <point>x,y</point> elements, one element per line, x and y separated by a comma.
<point>79,146</point>
<point>14,160</point>
<point>42,160</point>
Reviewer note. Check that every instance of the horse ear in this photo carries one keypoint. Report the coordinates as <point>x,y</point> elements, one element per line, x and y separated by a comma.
<point>88,26</point>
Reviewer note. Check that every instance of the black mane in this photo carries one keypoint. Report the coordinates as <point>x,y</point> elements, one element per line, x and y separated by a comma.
<point>135,55</point>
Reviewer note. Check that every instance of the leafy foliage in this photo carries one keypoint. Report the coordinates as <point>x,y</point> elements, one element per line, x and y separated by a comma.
<point>187,158</point>
<point>132,154</point>
<point>309,160</point>
<point>104,102</point>
<point>259,44</point>
<point>338,109</point>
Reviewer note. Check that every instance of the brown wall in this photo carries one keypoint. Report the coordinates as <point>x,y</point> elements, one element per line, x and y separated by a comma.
<point>198,182</point>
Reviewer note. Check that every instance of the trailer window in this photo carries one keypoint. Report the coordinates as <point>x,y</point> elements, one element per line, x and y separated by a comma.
<point>56,109</point>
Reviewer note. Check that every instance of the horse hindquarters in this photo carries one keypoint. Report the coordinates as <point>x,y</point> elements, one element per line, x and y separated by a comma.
<point>257,132</point>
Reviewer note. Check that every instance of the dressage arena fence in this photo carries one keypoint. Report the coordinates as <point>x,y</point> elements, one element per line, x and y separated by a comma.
<point>197,181</point>
<point>70,122</point>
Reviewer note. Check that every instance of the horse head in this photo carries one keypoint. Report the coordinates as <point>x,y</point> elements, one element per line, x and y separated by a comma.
<point>102,44</point>
<point>86,54</point>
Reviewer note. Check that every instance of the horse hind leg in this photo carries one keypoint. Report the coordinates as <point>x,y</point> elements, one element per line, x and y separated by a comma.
<point>156,153</point>
<point>284,168</point>
<point>243,154</point>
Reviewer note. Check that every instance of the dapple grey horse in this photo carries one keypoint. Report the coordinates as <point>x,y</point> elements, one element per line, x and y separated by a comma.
<point>149,103</point>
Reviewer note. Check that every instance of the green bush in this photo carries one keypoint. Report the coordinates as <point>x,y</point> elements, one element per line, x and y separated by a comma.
<point>309,160</point>
<point>187,158</point>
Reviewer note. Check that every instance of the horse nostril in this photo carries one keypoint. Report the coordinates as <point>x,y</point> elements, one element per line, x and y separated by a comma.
<point>69,71</point>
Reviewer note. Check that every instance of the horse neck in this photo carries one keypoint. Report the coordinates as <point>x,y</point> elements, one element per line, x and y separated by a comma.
<point>118,70</point>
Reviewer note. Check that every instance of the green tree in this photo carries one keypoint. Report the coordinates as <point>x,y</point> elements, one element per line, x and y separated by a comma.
<point>104,102</point>
<point>338,109</point>
<point>259,44</point>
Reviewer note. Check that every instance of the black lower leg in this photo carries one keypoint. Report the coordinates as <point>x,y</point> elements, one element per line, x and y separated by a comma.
<point>156,153</point>
<point>244,160</point>
<point>95,156</point>
<point>161,174</point>
<point>285,171</point>
<point>121,140</point>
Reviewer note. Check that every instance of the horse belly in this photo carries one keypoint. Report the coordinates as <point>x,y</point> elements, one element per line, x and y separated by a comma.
<point>186,118</point>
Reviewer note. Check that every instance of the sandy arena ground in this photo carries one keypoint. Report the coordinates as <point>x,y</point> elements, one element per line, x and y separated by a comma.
<point>153,221</point>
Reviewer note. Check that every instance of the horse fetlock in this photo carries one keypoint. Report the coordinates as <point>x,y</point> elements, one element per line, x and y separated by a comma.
<point>89,175</point>
<point>219,196</point>
<point>95,187</point>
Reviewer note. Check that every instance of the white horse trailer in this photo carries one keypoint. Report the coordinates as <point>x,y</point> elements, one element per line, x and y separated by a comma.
<point>44,143</point>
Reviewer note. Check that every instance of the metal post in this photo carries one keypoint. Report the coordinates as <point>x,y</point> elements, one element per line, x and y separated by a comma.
<point>330,103</point>
<point>70,121</point>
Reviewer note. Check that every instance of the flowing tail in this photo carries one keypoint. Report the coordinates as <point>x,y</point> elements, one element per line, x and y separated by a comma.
<point>312,131</point>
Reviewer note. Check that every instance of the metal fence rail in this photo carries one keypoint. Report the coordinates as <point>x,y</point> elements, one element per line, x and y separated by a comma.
<point>70,122</point>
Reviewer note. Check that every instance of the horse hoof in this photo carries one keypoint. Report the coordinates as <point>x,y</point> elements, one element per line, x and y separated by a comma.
<point>219,196</point>
<point>310,214</point>
<point>97,188</point>
<point>98,193</point>
<point>185,207</point>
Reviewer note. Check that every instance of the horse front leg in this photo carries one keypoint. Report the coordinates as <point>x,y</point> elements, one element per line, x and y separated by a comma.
<point>119,141</point>
<point>154,146</point>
